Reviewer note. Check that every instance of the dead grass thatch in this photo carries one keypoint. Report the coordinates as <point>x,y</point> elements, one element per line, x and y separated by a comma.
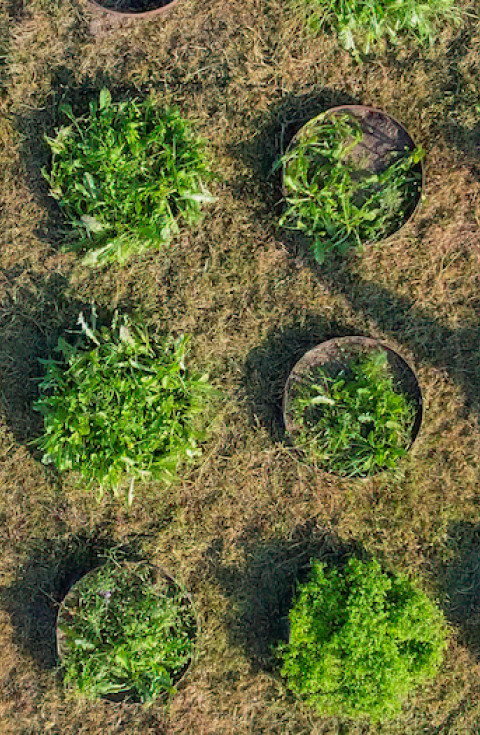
<point>239,528</point>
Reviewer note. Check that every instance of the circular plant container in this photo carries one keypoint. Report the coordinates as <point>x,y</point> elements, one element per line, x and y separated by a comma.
<point>382,136</point>
<point>158,574</point>
<point>333,356</point>
<point>134,8</point>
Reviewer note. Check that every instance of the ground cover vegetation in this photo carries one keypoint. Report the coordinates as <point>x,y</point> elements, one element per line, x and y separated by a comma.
<point>360,640</point>
<point>119,407</point>
<point>365,27</point>
<point>356,422</point>
<point>125,631</point>
<point>242,523</point>
<point>334,199</point>
<point>127,176</point>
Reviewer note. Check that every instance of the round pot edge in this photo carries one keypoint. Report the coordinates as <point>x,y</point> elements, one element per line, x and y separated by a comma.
<point>371,342</point>
<point>158,568</point>
<point>98,7</point>
<point>370,108</point>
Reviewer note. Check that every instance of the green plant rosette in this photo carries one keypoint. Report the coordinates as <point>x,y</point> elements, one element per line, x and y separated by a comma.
<point>128,176</point>
<point>120,407</point>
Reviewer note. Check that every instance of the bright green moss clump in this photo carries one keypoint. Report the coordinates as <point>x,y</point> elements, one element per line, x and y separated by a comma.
<point>361,640</point>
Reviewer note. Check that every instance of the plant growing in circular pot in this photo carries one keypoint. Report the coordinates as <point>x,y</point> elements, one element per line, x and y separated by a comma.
<point>128,176</point>
<point>120,407</point>
<point>353,406</point>
<point>126,630</point>
<point>351,176</point>
<point>361,639</point>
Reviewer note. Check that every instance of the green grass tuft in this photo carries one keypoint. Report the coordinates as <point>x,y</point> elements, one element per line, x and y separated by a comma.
<point>363,27</point>
<point>119,408</point>
<point>332,200</point>
<point>355,423</point>
<point>127,176</point>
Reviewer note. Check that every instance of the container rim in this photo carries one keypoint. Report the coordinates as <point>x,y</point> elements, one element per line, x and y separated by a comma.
<point>160,572</point>
<point>321,350</point>
<point>376,110</point>
<point>132,14</point>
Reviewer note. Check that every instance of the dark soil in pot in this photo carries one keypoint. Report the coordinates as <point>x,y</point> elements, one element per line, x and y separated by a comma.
<point>134,8</point>
<point>363,420</point>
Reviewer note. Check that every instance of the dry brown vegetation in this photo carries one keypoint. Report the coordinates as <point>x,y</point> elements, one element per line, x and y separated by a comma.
<point>239,527</point>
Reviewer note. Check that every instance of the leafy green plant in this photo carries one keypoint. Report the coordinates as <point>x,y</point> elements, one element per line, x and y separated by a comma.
<point>355,422</point>
<point>363,27</point>
<point>118,407</point>
<point>127,176</point>
<point>336,202</point>
<point>360,640</point>
<point>122,630</point>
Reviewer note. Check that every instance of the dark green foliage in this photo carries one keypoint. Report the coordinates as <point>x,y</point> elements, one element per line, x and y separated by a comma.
<point>361,640</point>
<point>356,422</point>
<point>127,176</point>
<point>332,200</point>
<point>118,407</point>
<point>123,631</point>
<point>364,26</point>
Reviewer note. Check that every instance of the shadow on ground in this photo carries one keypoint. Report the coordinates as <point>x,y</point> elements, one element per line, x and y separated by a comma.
<point>430,339</point>
<point>460,581</point>
<point>455,350</point>
<point>43,580</point>
<point>34,312</point>
<point>458,123</point>
<point>33,598</point>
<point>453,111</point>
<point>261,589</point>
<point>270,138</point>
<point>268,365</point>
<point>5,24</point>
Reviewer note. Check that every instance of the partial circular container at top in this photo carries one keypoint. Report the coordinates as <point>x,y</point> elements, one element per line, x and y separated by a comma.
<point>134,8</point>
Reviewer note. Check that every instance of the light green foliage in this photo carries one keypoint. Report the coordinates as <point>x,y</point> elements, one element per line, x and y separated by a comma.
<point>127,176</point>
<point>332,200</point>
<point>360,640</point>
<point>356,422</point>
<point>363,27</point>
<point>124,632</point>
<point>117,407</point>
